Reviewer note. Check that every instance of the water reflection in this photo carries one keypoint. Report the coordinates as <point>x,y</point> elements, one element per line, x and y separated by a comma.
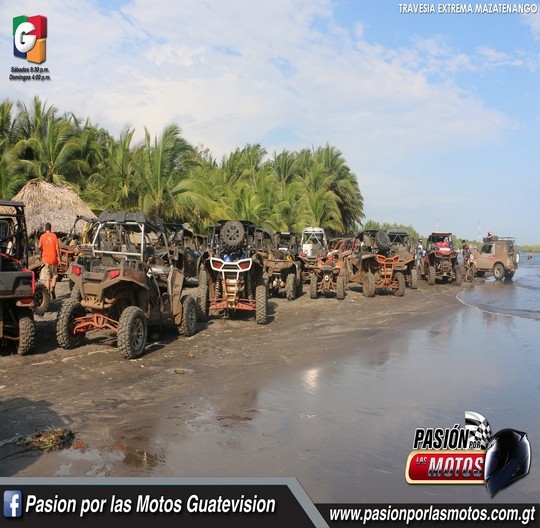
<point>311,378</point>
<point>345,428</point>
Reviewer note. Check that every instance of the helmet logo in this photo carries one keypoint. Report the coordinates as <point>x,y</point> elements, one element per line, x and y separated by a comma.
<point>469,455</point>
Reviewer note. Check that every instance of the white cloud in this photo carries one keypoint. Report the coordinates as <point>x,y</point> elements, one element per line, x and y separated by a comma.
<point>244,68</point>
<point>235,72</point>
<point>533,22</point>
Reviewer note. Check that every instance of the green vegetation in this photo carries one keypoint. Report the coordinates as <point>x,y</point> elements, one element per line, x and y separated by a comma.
<point>529,249</point>
<point>53,438</point>
<point>166,177</point>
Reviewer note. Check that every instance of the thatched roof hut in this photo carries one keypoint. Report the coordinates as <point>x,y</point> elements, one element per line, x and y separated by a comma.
<point>57,204</point>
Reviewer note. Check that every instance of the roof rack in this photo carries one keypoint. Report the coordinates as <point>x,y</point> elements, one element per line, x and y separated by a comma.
<point>493,238</point>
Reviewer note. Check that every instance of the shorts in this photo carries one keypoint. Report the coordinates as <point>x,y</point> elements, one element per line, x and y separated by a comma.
<point>48,271</point>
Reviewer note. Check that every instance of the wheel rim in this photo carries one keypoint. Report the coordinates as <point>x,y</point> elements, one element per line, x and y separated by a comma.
<point>232,231</point>
<point>137,336</point>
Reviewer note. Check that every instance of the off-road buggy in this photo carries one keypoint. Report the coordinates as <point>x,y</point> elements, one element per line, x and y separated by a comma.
<point>440,263</point>
<point>313,244</point>
<point>403,246</point>
<point>328,275</point>
<point>232,278</point>
<point>282,267</point>
<point>130,281</point>
<point>372,264</point>
<point>16,280</point>
<point>190,247</point>
<point>340,246</point>
<point>497,256</point>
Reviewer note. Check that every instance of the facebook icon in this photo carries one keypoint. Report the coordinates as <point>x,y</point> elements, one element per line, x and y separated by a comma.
<point>12,503</point>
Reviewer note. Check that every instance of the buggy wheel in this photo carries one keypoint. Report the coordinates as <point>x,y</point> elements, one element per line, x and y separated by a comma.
<point>368,284</point>
<point>299,284</point>
<point>132,332</point>
<point>383,241</point>
<point>341,285</point>
<point>498,271</point>
<point>203,297</point>
<point>400,279</point>
<point>290,287</point>
<point>414,279</point>
<point>188,326</point>
<point>75,293</point>
<point>431,275</point>
<point>313,286</point>
<point>261,304</point>
<point>71,310</point>
<point>458,275</point>
<point>42,299</point>
<point>27,332</point>
<point>470,272</point>
<point>232,235</point>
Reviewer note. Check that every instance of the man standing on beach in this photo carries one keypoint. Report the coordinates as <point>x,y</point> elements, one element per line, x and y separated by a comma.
<point>419,253</point>
<point>50,255</point>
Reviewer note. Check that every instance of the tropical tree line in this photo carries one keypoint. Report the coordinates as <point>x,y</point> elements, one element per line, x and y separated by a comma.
<point>168,178</point>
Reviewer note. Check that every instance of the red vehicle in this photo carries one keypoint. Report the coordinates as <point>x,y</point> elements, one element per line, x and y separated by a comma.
<point>328,275</point>
<point>441,260</point>
<point>372,264</point>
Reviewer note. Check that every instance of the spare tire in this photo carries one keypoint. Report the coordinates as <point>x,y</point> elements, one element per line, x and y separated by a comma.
<point>383,241</point>
<point>232,235</point>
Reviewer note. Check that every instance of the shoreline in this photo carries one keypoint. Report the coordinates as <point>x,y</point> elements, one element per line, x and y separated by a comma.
<point>329,392</point>
<point>93,391</point>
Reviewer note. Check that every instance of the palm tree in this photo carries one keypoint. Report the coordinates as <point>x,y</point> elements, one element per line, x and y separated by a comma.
<point>163,166</point>
<point>283,167</point>
<point>7,133</point>
<point>343,184</point>
<point>52,154</point>
<point>198,198</point>
<point>11,180</point>
<point>93,140</point>
<point>168,178</point>
<point>33,122</point>
<point>329,194</point>
<point>112,185</point>
<point>319,206</point>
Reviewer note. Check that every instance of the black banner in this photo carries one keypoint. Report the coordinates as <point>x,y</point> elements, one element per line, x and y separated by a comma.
<point>236,502</point>
<point>429,515</point>
<point>139,504</point>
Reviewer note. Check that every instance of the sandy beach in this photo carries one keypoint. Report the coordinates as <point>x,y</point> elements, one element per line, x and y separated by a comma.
<point>329,392</point>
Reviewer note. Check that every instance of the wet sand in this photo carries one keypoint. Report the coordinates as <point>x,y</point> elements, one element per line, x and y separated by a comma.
<point>329,392</point>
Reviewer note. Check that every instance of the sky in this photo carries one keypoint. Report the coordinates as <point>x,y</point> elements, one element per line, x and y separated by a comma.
<point>437,114</point>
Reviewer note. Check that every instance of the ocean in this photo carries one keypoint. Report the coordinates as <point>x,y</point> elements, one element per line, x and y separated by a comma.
<point>518,297</point>
<point>345,428</point>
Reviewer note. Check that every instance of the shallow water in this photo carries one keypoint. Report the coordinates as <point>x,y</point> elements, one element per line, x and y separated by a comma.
<point>519,296</point>
<point>345,429</point>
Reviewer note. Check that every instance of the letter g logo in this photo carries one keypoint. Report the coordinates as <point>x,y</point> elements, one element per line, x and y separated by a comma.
<point>23,41</point>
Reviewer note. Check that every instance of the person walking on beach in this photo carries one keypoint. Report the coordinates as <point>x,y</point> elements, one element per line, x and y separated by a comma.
<point>465,251</point>
<point>50,255</point>
<point>419,253</point>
